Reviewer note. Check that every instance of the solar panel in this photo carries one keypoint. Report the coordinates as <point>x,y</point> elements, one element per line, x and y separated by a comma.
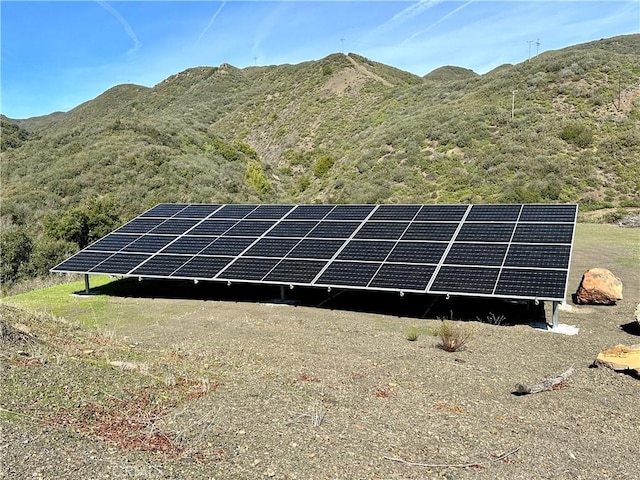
<point>509,251</point>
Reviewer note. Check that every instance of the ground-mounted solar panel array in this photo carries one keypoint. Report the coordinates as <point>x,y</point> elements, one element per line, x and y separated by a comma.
<point>508,251</point>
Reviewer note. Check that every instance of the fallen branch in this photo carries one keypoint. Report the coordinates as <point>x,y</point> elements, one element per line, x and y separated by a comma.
<point>452,465</point>
<point>546,385</point>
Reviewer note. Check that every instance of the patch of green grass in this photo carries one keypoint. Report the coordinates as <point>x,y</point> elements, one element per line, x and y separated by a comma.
<point>610,238</point>
<point>59,300</point>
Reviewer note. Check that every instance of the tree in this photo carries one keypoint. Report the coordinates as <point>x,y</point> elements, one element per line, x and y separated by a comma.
<point>84,224</point>
<point>15,251</point>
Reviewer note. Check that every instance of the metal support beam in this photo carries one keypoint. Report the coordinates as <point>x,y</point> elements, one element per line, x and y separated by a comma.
<point>86,284</point>
<point>554,309</point>
<point>283,295</point>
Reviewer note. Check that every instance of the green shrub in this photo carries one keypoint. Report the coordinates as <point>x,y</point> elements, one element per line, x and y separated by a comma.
<point>578,134</point>
<point>256,178</point>
<point>322,166</point>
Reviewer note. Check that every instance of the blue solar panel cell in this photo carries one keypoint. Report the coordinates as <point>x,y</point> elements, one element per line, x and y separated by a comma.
<point>228,246</point>
<point>113,242</point>
<point>532,283</point>
<point>197,211</point>
<point>437,232</point>
<point>538,256</point>
<point>213,227</point>
<point>271,247</point>
<point>309,212</point>
<point>83,261</point>
<point>549,213</point>
<point>161,265</point>
<point>441,213</point>
<point>270,212</point>
<point>249,269</point>
<point>417,252</point>
<point>174,226</point>
<point>465,280</point>
<point>355,274</point>
<point>403,277</point>
<point>543,233</point>
<point>333,230</point>
<point>189,245</point>
<point>494,213</point>
<point>315,248</point>
<point>165,210</point>
<point>486,232</point>
<point>395,212</point>
<point>366,250</point>
<point>234,211</point>
<point>476,254</point>
<point>294,228</point>
<point>350,212</point>
<point>120,263</point>
<point>149,243</point>
<point>140,225</point>
<point>249,228</point>
<point>382,230</point>
<point>295,271</point>
<point>202,267</point>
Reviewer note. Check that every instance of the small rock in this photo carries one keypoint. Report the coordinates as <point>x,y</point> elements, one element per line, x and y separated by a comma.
<point>621,358</point>
<point>638,314</point>
<point>599,287</point>
<point>125,365</point>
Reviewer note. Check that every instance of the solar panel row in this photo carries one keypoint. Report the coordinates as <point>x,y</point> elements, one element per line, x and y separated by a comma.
<point>491,250</point>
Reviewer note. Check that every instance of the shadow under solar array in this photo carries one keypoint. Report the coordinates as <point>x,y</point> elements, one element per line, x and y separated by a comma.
<point>511,251</point>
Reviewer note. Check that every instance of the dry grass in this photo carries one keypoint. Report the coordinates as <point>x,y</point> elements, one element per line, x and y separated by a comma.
<point>453,337</point>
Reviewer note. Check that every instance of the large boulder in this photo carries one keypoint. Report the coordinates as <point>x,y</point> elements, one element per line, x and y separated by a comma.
<point>599,287</point>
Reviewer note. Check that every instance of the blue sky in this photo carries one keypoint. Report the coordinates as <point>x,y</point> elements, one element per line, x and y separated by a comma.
<point>56,55</point>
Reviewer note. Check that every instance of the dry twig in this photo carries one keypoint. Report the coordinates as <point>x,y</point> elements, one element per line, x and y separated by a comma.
<point>546,385</point>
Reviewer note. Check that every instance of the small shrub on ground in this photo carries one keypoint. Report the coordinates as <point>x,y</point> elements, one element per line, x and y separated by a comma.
<point>452,337</point>
<point>412,333</point>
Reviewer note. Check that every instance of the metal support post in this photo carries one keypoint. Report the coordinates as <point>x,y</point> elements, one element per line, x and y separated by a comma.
<point>86,284</point>
<point>554,309</point>
<point>283,296</point>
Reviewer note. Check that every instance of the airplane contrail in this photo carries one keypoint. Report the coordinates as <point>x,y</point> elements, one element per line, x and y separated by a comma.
<point>437,22</point>
<point>127,28</point>
<point>410,12</point>
<point>213,19</point>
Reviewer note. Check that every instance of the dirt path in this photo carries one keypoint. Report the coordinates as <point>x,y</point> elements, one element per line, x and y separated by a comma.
<point>365,71</point>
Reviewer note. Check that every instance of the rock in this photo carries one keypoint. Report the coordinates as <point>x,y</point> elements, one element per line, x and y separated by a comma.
<point>638,314</point>
<point>599,287</point>
<point>621,358</point>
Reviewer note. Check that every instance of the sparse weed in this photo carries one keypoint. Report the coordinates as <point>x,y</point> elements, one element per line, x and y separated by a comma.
<point>412,333</point>
<point>493,319</point>
<point>452,337</point>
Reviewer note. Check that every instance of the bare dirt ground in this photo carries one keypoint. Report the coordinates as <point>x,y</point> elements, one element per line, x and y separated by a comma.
<point>235,388</point>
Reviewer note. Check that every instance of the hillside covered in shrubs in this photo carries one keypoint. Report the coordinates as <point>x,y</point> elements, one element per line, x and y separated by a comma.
<point>561,127</point>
